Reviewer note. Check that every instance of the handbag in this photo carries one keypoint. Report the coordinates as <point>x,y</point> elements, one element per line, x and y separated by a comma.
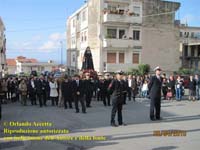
<point>169,94</point>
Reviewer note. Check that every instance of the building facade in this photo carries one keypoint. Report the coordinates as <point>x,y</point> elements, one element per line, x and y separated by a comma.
<point>24,65</point>
<point>2,49</point>
<point>123,34</point>
<point>190,47</point>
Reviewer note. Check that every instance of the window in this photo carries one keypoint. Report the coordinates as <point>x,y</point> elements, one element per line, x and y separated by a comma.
<point>186,34</point>
<point>73,23</point>
<point>112,7</point>
<point>111,58</point>
<point>78,15</point>
<point>198,51</point>
<point>135,58</point>
<point>181,34</point>
<point>136,11</point>
<point>84,16</point>
<point>73,58</point>
<point>85,37</point>
<point>185,51</point>
<point>112,33</point>
<point>82,37</point>
<point>121,58</point>
<point>136,35</point>
<point>192,51</point>
<point>121,34</point>
<point>192,34</point>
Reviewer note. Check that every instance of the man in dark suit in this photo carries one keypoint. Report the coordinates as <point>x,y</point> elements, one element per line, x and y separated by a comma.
<point>155,87</point>
<point>32,90</point>
<point>88,87</point>
<point>66,88</point>
<point>41,90</point>
<point>78,93</point>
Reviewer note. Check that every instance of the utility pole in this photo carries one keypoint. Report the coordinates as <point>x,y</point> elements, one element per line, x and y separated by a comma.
<point>61,52</point>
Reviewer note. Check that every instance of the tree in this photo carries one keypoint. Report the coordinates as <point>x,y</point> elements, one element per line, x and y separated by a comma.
<point>143,69</point>
<point>184,71</point>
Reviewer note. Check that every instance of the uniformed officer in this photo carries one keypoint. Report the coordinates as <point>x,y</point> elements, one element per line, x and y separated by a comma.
<point>155,87</point>
<point>117,88</point>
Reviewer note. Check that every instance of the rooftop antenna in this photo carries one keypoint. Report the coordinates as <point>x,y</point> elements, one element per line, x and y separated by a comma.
<point>186,22</point>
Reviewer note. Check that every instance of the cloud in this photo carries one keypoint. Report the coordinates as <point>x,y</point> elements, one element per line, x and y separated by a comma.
<point>57,36</point>
<point>49,45</point>
<point>53,42</point>
<point>37,38</point>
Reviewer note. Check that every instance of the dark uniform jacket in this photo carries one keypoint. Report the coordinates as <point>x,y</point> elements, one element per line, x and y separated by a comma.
<point>155,87</point>
<point>41,86</point>
<point>78,88</point>
<point>66,88</point>
<point>117,89</point>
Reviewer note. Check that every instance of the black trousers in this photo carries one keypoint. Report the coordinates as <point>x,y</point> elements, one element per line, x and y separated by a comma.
<point>44,96</point>
<point>88,98</point>
<point>107,97</point>
<point>0,109</point>
<point>99,96</point>
<point>54,100</point>
<point>42,99</point>
<point>155,108</point>
<point>69,101</point>
<point>125,95</point>
<point>80,99</point>
<point>117,108</point>
<point>33,98</point>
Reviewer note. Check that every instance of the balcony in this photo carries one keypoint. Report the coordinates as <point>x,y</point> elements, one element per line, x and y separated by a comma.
<point>121,17</point>
<point>118,1</point>
<point>122,43</point>
<point>124,67</point>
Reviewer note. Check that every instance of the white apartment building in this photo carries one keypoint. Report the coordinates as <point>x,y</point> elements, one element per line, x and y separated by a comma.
<point>2,49</point>
<point>120,37</point>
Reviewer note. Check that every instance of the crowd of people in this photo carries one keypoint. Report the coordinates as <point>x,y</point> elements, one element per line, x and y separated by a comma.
<point>68,92</point>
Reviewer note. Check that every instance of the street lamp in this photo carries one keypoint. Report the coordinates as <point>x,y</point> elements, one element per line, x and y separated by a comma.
<point>61,52</point>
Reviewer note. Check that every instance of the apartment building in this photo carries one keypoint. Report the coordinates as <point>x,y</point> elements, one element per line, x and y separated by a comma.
<point>123,34</point>
<point>190,47</point>
<point>2,49</point>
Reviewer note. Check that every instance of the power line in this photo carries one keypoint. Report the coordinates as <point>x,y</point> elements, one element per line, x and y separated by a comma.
<point>35,29</point>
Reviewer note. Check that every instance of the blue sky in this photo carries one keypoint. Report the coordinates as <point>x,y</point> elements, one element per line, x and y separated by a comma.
<point>34,28</point>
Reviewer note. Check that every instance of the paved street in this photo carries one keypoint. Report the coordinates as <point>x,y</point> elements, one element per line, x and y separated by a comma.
<point>138,134</point>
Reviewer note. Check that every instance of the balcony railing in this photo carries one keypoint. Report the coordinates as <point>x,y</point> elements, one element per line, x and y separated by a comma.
<point>118,1</point>
<point>121,43</point>
<point>121,16</point>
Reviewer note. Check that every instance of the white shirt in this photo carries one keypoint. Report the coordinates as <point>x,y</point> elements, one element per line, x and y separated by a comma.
<point>32,84</point>
<point>145,87</point>
<point>130,83</point>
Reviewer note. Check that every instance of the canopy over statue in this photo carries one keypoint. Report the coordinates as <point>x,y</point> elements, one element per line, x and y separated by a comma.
<point>87,60</point>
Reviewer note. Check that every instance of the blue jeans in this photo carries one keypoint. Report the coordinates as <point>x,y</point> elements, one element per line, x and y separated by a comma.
<point>178,94</point>
<point>144,94</point>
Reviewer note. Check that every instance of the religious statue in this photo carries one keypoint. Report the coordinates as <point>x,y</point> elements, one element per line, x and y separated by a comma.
<point>87,60</point>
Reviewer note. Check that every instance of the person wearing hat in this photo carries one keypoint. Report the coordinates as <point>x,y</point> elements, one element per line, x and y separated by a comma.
<point>117,88</point>
<point>155,87</point>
